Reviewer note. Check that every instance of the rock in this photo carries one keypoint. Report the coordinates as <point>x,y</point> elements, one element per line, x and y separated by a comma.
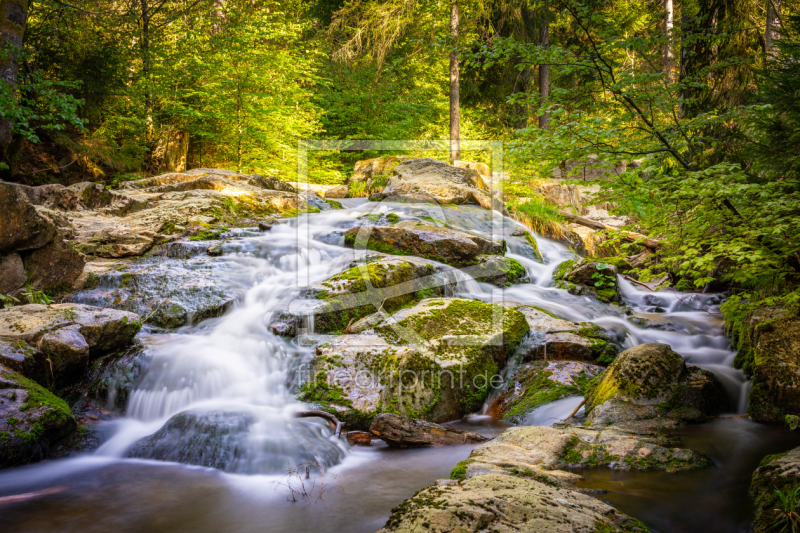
<point>31,419</point>
<point>496,503</point>
<point>779,472</point>
<point>367,170</point>
<point>588,278</point>
<point>384,282</point>
<point>54,267</point>
<point>435,361</point>
<point>401,432</point>
<point>480,168</point>
<point>21,227</point>
<point>222,440</point>
<point>537,451</point>
<point>340,191</point>
<point>534,384</point>
<point>170,293</point>
<point>768,349</point>
<point>449,246</point>
<point>499,271</point>
<point>425,180</point>
<point>93,195</point>
<point>41,341</point>
<point>52,196</point>
<point>359,438</point>
<point>13,277</point>
<point>553,338</point>
<point>650,381</point>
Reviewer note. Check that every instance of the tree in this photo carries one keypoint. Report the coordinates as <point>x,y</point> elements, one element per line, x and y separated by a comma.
<point>14,15</point>
<point>455,152</point>
<point>544,69</point>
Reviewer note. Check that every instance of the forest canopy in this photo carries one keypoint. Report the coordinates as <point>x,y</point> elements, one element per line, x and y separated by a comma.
<point>695,104</point>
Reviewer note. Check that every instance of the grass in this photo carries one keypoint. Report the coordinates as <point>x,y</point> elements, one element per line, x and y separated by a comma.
<point>538,215</point>
<point>358,189</point>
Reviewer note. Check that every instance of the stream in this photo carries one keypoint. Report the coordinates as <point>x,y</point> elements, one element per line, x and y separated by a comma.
<point>234,370</point>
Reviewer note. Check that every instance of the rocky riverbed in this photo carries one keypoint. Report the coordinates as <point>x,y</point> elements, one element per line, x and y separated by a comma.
<point>203,311</point>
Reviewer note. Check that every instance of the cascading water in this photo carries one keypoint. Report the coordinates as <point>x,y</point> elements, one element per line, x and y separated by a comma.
<point>220,393</point>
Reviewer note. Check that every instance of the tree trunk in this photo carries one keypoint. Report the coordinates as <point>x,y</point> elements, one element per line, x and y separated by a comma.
<point>148,95</point>
<point>773,22</point>
<point>220,15</point>
<point>522,109</point>
<point>668,64</point>
<point>544,70</point>
<point>455,151</point>
<point>13,16</point>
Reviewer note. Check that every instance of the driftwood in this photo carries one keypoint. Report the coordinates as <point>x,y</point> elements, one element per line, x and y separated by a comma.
<point>637,282</point>
<point>627,236</point>
<point>400,432</point>
<point>576,409</point>
<point>337,425</point>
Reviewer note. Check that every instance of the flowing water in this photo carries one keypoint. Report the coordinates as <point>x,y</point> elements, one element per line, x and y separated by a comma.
<point>232,372</point>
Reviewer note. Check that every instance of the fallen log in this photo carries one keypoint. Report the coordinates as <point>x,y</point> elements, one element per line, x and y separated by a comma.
<point>400,432</point>
<point>337,425</point>
<point>627,236</point>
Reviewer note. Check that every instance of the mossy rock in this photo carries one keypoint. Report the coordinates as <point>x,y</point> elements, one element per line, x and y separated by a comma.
<point>777,472</point>
<point>584,277</point>
<point>499,271</point>
<point>31,419</point>
<point>649,381</point>
<point>535,384</point>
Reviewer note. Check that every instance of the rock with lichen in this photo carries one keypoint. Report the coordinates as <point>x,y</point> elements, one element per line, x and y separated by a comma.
<point>435,361</point>
<point>45,342</point>
<point>650,381</point>
<point>498,270</point>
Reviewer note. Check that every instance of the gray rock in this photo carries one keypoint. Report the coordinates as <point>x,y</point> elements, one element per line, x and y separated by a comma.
<point>21,227</point>
<point>55,266</point>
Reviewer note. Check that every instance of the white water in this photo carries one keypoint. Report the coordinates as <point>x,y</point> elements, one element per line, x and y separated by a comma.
<point>234,364</point>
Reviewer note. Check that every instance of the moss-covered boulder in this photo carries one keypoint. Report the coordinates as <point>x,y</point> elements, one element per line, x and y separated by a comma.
<point>588,278</point>
<point>552,338</point>
<point>31,419</point>
<point>651,381</point>
<point>382,283</point>
<point>436,362</point>
<point>51,342</point>
<point>534,384</point>
<point>778,472</point>
<point>453,247</point>
<point>499,271</point>
<point>767,339</point>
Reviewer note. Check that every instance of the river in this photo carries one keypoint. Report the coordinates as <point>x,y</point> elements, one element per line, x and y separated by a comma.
<point>234,369</point>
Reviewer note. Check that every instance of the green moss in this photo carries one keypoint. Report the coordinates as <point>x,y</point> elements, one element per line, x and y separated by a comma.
<point>621,264</point>
<point>333,203</point>
<point>769,458</point>
<point>459,472</point>
<point>538,389</point>
<point>563,269</point>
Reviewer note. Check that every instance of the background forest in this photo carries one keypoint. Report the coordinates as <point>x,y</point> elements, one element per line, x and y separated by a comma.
<point>694,103</point>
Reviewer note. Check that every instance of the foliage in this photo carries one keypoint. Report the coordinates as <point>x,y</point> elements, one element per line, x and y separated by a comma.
<point>8,301</point>
<point>786,515</point>
<point>36,297</point>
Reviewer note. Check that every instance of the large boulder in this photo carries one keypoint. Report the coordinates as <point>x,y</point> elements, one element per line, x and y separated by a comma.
<point>21,227</point>
<point>768,349</point>
<point>449,246</point>
<point>778,472</point>
<point>178,284</point>
<point>501,504</point>
<point>542,450</point>
<point>368,170</point>
<point>48,342</point>
<point>31,419</point>
<point>400,432</point>
<point>651,381</point>
<point>588,278</point>
<point>384,283</point>
<point>223,440</point>
<point>425,180</point>
<point>436,361</point>
<point>538,383</point>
